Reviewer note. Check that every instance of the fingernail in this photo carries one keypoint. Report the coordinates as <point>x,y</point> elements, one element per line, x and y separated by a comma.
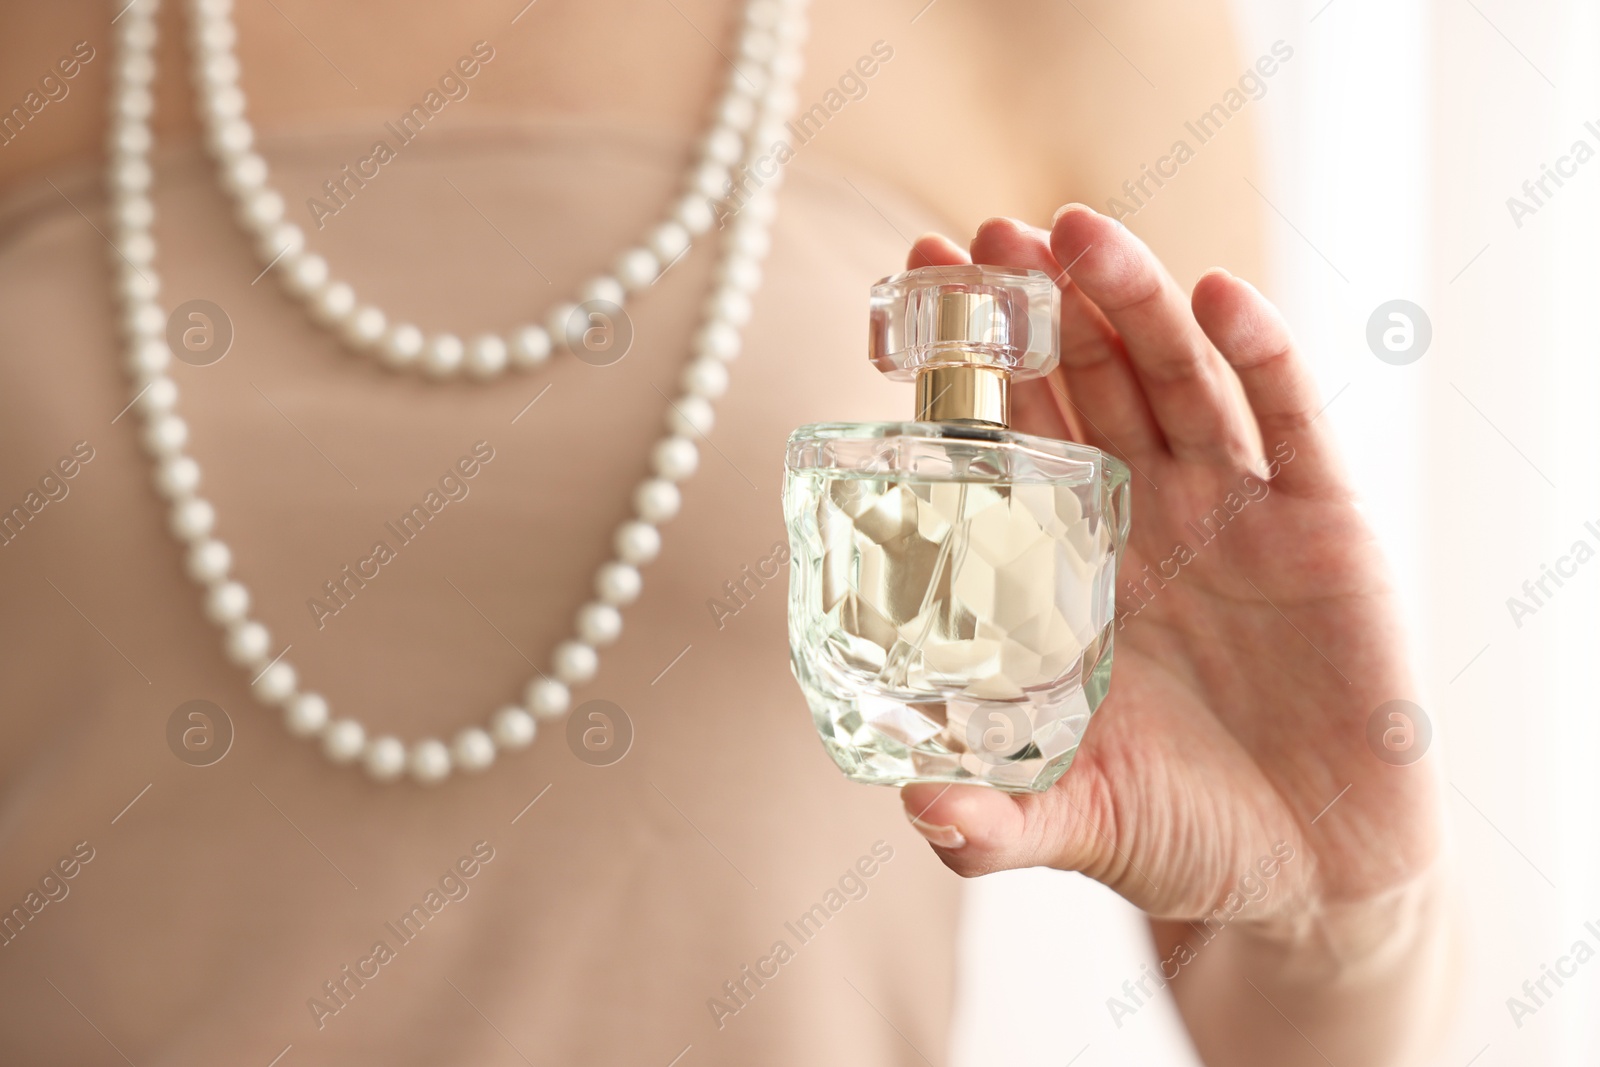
<point>942,836</point>
<point>1003,220</point>
<point>1070,207</point>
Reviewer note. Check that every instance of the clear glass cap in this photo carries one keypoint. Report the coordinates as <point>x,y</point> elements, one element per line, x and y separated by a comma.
<point>964,316</point>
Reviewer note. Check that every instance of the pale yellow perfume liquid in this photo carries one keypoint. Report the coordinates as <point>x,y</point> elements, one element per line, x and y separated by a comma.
<point>950,629</point>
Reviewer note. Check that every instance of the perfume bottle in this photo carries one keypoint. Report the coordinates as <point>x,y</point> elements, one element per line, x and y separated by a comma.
<point>951,597</point>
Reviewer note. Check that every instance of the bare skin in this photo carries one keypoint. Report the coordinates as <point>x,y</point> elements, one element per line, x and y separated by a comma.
<point>1241,692</point>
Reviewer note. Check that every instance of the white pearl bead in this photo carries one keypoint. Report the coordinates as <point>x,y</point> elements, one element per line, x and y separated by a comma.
<point>769,131</point>
<point>215,35</point>
<point>333,303</point>
<point>558,325</point>
<point>218,70</point>
<point>283,242</point>
<point>705,377</point>
<point>486,356</point>
<point>177,477</point>
<point>530,346</point>
<point>135,70</point>
<point>384,758</point>
<point>231,138</point>
<point>245,173</point>
<point>213,9</point>
<point>145,320</point>
<point>135,104</point>
<point>636,268</point>
<point>757,46</point>
<point>276,683</point>
<point>764,14</point>
<point>780,100</point>
<point>138,248</point>
<point>304,273</point>
<point>227,603</point>
<point>138,286</point>
<point>548,698</point>
<point>637,542</point>
<point>656,501</point>
<point>203,50</point>
<point>473,749</point>
<point>736,111</point>
<point>138,34</point>
<point>695,213</point>
<point>224,103</point>
<point>712,180</point>
<point>401,345</point>
<point>618,583</point>
<point>192,519</point>
<point>669,241</point>
<point>574,662</point>
<point>675,458</point>
<point>513,728</point>
<point>599,624</point>
<point>166,435</point>
<point>221,102</point>
<point>342,741</point>
<point>136,213</point>
<point>750,237</point>
<point>442,355</point>
<point>209,561</point>
<point>157,397</point>
<point>150,357</point>
<point>724,145</point>
<point>786,65</point>
<point>306,715</point>
<point>690,415</point>
<point>261,209</point>
<point>730,305</point>
<point>741,272</point>
<point>720,340</point>
<point>248,643</point>
<point>429,762</point>
<point>605,289</point>
<point>366,327</point>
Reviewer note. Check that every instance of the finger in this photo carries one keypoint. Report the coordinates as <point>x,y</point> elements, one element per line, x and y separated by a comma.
<point>935,250</point>
<point>1185,380</point>
<point>976,830</point>
<point>1278,384</point>
<point>1038,406</point>
<point>1096,388</point>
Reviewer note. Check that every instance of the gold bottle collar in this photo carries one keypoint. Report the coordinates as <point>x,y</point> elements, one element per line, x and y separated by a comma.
<point>965,383</point>
<point>964,392</point>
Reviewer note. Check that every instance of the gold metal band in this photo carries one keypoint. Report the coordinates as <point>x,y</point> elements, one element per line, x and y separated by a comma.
<point>964,393</point>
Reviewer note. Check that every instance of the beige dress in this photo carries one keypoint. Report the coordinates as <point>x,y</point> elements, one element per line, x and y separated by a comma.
<point>604,924</point>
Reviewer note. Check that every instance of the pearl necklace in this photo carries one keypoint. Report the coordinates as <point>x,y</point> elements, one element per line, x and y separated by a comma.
<point>770,64</point>
<point>773,28</point>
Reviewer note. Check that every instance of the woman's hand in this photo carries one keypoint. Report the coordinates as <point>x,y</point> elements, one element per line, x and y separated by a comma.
<point>1257,635</point>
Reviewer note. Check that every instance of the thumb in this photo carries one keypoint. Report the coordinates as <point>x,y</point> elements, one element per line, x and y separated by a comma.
<point>977,830</point>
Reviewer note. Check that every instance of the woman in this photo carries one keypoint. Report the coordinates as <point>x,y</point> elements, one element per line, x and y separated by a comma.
<point>626,905</point>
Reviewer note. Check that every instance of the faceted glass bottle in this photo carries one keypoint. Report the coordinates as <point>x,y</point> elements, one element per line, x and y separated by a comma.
<point>951,599</point>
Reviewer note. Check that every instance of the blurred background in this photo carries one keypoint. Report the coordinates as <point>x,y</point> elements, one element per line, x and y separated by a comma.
<point>1390,145</point>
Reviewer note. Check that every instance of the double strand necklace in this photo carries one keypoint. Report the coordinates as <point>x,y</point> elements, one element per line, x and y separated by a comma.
<point>757,101</point>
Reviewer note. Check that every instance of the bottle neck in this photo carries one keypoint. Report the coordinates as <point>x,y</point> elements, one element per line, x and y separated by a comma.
<point>964,393</point>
